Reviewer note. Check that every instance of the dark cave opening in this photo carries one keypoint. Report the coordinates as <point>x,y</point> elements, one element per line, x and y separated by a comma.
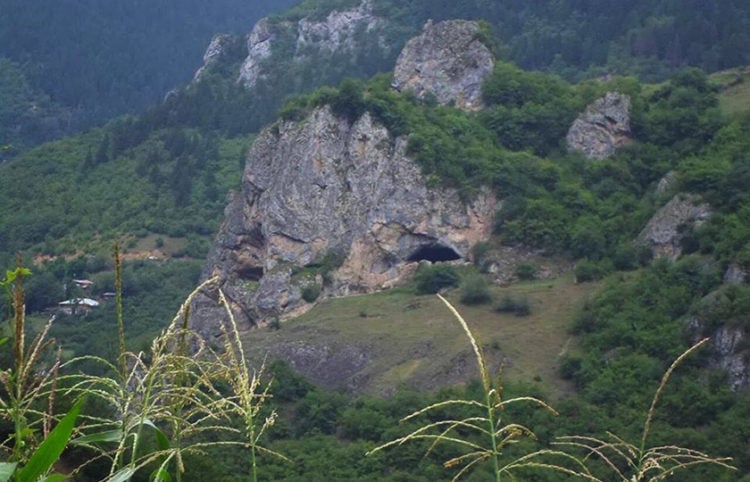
<point>434,253</point>
<point>251,273</point>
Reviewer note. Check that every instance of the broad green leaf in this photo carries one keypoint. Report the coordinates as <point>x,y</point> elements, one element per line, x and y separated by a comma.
<point>51,447</point>
<point>162,441</point>
<point>6,470</point>
<point>160,475</point>
<point>123,475</point>
<point>109,436</point>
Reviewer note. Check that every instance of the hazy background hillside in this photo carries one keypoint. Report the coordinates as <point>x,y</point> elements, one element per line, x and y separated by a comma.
<point>72,64</point>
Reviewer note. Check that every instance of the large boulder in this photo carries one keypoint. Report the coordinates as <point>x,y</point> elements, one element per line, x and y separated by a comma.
<point>333,203</point>
<point>666,229</point>
<point>449,61</point>
<point>604,127</point>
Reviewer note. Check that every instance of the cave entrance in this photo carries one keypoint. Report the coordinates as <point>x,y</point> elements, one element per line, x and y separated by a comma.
<point>434,253</point>
<point>251,273</point>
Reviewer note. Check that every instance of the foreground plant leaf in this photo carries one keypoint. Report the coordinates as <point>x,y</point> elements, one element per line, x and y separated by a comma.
<point>51,448</point>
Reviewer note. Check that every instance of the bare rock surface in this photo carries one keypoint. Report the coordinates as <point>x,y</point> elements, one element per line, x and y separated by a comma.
<point>602,128</point>
<point>447,60</point>
<point>735,274</point>
<point>665,229</point>
<point>218,47</point>
<point>339,32</point>
<point>728,344</point>
<point>259,43</point>
<point>323,189</point>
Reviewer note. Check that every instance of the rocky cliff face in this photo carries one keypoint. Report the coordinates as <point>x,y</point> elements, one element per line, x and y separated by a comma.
<point>447,60</point>
<point>332,205</point>
<point>729,356</point>
<point>602,128</point>
<point>729,348</point>
<point>219,47</point>
<point>341,31</point>
<point>666,228</point>
<point>258,49</point>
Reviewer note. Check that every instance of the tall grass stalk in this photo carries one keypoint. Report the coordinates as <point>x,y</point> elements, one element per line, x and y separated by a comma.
<point>165,395</point>
<point>493,433</point>
<point>28,384</point>
<point>641,462</point>
<point>248,393</point>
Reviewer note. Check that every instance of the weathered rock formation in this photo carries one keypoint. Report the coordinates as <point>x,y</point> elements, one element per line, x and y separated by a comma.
<point>602,128</point>
<point>667,183</point>
<point>667,227</point>
<point>728,342</point>
<point>339,32</point>
<point>215,51</point>
<point>735,274</point>
<point>328,202</point>
<point>729,356</point>
<point>258,49</point>
<point>447,60</point>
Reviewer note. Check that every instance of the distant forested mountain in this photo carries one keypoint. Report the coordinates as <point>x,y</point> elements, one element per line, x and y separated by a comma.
<point>86,61</point>
<point>103,58</point>
<point>650,38</point>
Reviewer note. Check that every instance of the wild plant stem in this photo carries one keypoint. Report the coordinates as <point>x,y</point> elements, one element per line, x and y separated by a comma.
<point>18,347</point>
<point>493,437</point>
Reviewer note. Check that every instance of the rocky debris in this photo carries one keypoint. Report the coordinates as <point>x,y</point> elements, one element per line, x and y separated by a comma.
<point>332,365</point>
<point>447,60</point>
<point>503,263</point>
<point>735,274</point>
<point>338,32</point>
<point>216,50</point>
<point>327,197</point>
<point>665,230</point>
<point>602,128</point>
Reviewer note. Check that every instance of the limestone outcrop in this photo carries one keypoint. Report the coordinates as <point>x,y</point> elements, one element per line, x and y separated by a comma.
<point>728,341</point>
<point>449,61</point>
<point>219,46</point>
<point>340,32</point>
<point>665,230</point>
<point>337,206</point>
<point>729,356</point>
<point>602,128</point>
<point>259,43</point>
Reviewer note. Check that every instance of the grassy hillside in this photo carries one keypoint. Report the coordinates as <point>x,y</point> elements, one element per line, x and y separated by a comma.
<point>396,338</point>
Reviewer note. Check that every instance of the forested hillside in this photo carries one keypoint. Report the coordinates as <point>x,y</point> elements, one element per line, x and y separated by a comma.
<point>99,59</point>
<point>157,183</point>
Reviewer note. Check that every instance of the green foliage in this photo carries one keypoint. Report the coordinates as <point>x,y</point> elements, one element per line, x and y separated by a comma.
<point>526,270</point>
<point>433,278</point>
<point>518,305</point>
<point>475,290</point>
<point>586,270</point>
<point>311,292</point>
<point>683,115</point>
